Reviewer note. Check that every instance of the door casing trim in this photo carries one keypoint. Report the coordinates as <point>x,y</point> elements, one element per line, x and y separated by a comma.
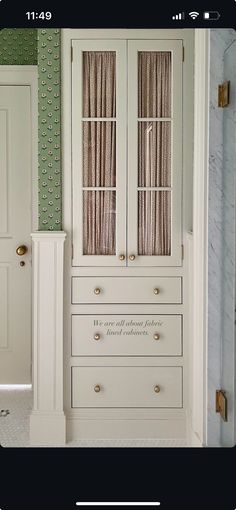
<point>27,75</point>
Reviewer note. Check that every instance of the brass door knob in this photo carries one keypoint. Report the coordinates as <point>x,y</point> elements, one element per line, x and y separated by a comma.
<point>132,257</point>
<point>156,336</point>
<point>97,291</point>
<point>156,291</point>
<point>21,250</point>
<point>122,257</point>
<point>157,389</point>
<point>97,336</point>
<point>97,388</point>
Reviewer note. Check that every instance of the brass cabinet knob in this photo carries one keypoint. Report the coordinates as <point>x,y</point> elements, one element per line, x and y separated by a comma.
<point>122,257</point>
<point>156,291</point>
<point>157,389</point>
<point>132,257</point>
<point>21,250</point>
<point>156,336</point>
<point>97,291</point>
<point>97,336</point>
<point>97,388</point>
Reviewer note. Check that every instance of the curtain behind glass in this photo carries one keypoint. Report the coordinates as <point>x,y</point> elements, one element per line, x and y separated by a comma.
<point>99,152</point>
<point>154,222</point>
<point>154,152</point>
<point>99,84</point>
<point>154,84</point>
<point>99,230</point>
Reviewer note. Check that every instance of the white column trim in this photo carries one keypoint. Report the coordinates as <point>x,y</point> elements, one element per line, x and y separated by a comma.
<point>47,420</point>
<point>200,230</point>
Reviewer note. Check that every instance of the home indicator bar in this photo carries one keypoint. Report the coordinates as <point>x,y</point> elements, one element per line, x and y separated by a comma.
<point>118,503</point>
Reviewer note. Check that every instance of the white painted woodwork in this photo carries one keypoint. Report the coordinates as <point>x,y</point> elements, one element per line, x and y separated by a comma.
<point>127,143</point>
<point>47,421</point>
<point>124,428</point>
<point>127,335</point>
<point>127,386</point>
<point>126,285</point>
<point>200,231</point>
<point>126,290</point>
<point>3,171</point>
<point>176,49</point>
<point>77,154</point>
<point>15,228</point>
<point>126,361</point>
<point>4,299</point>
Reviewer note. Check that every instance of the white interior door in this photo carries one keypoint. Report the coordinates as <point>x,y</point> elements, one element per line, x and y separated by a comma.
<point>15,228</point>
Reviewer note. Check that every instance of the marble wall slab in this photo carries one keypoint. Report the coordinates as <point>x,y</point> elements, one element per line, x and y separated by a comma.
<point>221,235</point>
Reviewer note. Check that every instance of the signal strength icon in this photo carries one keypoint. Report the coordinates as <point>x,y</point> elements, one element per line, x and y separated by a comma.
<point>179,16</point>
<point>193,14</point>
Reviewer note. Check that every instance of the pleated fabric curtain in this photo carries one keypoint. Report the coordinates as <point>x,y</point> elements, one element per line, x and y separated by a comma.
<point>154,152</point>
<point>99,152</point>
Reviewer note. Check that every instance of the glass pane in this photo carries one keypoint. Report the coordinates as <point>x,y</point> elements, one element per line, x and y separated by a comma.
<point>99,83</point>
<point>154,154</point>
<point>99,154</point>
<point>154,84</point>
<point>99,222</point>
<point>154,222</point>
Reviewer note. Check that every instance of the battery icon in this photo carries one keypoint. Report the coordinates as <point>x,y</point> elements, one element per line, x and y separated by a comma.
<point>211,15</point>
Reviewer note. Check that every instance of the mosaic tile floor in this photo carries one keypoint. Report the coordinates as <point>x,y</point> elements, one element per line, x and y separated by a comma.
<point>14,427</point>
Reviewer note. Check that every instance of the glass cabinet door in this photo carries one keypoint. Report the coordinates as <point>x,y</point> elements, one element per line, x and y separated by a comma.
<point>154,152</point>
<point>99,152</point>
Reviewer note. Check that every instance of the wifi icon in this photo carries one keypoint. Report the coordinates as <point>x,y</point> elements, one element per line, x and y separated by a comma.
<point>193,14</point>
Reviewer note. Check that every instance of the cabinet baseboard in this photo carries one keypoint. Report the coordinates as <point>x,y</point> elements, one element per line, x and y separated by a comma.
<point>125,429</point>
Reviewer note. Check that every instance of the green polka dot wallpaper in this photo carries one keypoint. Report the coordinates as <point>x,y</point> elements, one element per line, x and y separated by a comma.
<point>18,47</point>
<point>42,47</point>
<point>49,129</point>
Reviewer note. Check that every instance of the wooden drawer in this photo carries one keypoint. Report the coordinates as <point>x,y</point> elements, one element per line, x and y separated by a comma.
<point>126,335</point>
<point>126,290</point>
<point>126,386</point>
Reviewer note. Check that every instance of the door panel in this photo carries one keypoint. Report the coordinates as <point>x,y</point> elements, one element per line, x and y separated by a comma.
<point>154,153</point>
<point>99,152</point>
<point>15,228</point>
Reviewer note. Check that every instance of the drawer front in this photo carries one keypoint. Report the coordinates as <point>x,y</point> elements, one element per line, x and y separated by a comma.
<point>126,335</point>
<point>126,290</point>
<point>127,387</point>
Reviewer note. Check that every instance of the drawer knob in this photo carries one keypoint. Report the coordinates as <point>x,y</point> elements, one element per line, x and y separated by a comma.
<point>97,388</point>
<point>156,336</point>
<point>156,291</point>
<point>132,257</point>
<point>157,389</point>
<point>122,257</point>
<point>97,291</point>
<point>97,336</point>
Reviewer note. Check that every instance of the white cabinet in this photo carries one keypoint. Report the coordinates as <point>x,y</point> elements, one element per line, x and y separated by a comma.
<point>127,152</point>
<point>126,215</point>
<point>112,335</point>
<point>127,387</point>
<point>121,289</point>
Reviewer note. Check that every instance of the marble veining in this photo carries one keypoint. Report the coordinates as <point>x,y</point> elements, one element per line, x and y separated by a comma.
<point>221,233</point>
